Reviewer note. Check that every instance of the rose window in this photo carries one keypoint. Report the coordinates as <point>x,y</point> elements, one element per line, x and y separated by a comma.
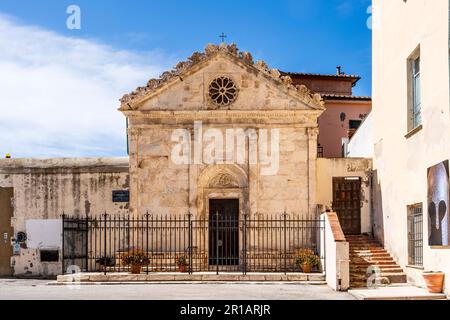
<point>223,91</point>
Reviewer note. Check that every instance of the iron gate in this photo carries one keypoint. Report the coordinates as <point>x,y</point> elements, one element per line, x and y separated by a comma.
<point>75,243</point>
<point>263,243</point>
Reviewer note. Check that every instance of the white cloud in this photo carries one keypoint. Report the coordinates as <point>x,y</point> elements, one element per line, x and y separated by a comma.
<point>59,95</point>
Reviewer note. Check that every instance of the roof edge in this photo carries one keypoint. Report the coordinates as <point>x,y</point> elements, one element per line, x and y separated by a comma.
<point>211,50</point>
<point>29,165</point>
<point>353,78</point>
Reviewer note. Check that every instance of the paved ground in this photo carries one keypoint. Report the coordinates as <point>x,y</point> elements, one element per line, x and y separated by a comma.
<point>396,292</point>
<point>11,289</point>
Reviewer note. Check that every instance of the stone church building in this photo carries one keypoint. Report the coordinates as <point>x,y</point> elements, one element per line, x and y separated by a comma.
<point>230,95</point>
<point>219,132</point>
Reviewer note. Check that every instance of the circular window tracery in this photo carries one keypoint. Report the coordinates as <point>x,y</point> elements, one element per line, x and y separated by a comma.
<point>223,91</point>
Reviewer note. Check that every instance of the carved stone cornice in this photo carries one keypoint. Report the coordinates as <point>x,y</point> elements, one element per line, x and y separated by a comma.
<point>218,116</point>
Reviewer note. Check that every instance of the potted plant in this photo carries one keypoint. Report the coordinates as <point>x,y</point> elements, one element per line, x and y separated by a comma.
<point>105,262</point>
<point>182,263</point>
<point>136,259</point>
<point>307,259</point>
<point>434,281</point>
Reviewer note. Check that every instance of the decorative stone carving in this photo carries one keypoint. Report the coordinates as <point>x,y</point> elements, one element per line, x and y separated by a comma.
<point>233,49</point>
<point>275,73</point>
<point>223,180</point>
<point>210,51</point>
<point>262,65</point>
<point>246,57</point>
<point>308,96</point>
<point>286,80</point>
<point>195,58</point>
<point>181,66</point>
<point>223,91</point>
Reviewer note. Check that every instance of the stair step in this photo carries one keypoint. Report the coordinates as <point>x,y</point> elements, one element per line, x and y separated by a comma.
<point>371,259</point>
<point>365,245</point>
<point>364,241</point>
<point>390,269</point>
<point>374,263</point>
<point>393,277</point>
<point>370,255</point>
<point>350,236</point>
<point>369,251</point>
<point>365,252</point>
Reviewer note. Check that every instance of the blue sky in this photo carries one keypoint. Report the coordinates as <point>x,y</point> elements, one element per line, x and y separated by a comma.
<point>143,38</point>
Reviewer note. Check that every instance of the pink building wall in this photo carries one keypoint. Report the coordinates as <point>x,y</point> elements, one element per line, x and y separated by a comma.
<point>337,91</point>
<point>332,129</point>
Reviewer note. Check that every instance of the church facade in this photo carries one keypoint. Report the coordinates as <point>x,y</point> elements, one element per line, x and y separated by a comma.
<point>223,127</point>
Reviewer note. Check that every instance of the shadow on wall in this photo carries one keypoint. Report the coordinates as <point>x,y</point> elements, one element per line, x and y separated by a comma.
<point>377,208</point>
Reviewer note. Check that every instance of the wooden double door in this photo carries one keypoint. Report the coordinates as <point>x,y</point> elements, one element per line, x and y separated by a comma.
<point>347,203</point>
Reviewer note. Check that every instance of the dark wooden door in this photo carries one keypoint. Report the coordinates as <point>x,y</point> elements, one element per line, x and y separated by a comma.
<point>6,213</point>
<point>224,232</point>
<point>347,203</point>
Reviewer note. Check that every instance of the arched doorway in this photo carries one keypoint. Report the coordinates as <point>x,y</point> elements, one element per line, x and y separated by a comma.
<point>223,200</point>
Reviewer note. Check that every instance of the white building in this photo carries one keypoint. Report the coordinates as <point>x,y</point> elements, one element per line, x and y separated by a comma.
<point>411,134</point>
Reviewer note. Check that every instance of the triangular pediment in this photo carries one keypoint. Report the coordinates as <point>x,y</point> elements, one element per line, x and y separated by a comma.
<point>222,78</point>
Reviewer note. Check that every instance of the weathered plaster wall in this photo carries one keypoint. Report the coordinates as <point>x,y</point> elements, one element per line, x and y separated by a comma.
<point>44,189</point>
<point>402,162</point>
<point>345,167</point>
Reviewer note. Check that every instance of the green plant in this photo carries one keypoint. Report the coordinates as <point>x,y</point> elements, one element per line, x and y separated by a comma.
<point>181,261</point>
<point>307,256</point>
<point>106,261</point>
<point>135,257</point>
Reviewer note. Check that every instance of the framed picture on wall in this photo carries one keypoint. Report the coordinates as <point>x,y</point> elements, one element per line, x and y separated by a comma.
<point>438,204</point>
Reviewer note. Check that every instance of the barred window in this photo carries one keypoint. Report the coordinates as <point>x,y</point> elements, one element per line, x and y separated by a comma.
<point>415,235</point>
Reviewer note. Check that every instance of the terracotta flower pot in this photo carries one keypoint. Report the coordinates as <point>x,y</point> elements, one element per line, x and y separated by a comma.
<point>434,281</point>
<point>182,268</point>
<point>136,269</point>
<point>306,268</point>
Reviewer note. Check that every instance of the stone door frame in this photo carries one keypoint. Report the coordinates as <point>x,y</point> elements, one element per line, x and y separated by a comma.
<point>222,182</point>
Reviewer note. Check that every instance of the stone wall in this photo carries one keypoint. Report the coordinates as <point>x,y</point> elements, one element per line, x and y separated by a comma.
<point>158,185</point>
<point>44,189</point>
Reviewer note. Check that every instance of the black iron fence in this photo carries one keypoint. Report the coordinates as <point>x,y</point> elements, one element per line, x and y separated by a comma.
<point>263,243</point>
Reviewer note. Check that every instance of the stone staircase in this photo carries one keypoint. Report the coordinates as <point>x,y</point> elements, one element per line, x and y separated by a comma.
<point>366,252</point>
